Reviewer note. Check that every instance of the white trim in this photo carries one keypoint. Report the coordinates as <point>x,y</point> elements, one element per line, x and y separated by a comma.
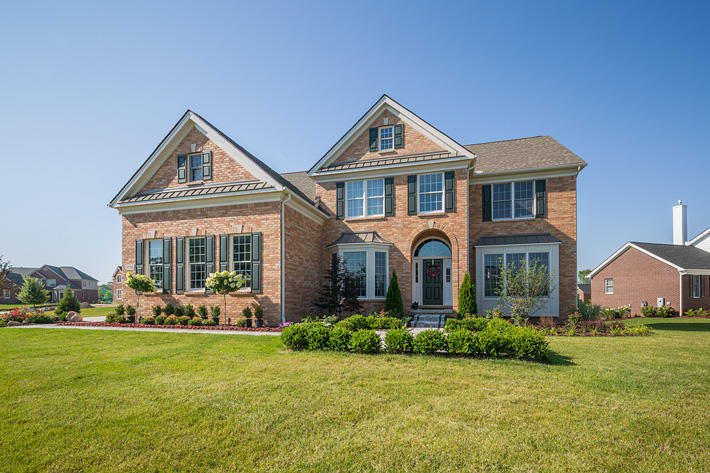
<point>198,204</point>
<point>692,286</point>
<point>306,210</point>
<point>443,194</point>
<point>282,292</point>
<point>385,169</point>
<point>606,289</point>
<point>520,244</point>
<point>364,198</point>
<point>512,201</point>
<point>379,138</point>
<point>370,249</point>
<point>386,103</point>
<point>621,250</point>
<point>188,278</point>
<point>478,178</point>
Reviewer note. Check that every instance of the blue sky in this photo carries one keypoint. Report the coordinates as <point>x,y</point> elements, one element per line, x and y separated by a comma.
<point>89,89</point>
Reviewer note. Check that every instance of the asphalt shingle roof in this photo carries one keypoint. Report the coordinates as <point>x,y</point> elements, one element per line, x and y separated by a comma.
<point>516,239</point>
<point>685,257</point>
<point>523,153</point>
<point>359,237</point>
<point>302,182</point>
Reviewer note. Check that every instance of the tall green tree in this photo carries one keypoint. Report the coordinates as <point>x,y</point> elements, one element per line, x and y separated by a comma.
<point>393,302</point>
<point>68,303</point>
<point>33,292</point>
<point>583,276</point>
<point>467,297</point>
<point>5,283</point>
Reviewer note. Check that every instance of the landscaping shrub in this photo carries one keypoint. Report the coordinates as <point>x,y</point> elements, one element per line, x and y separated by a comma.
<point>462,342</point>
<point>130,310</point>
<point>354,322</point>
<point>196,321</point>
<point>495,340</point>
<point>589,311</point>
<point>156,310</point>
<point>258,312</point>
<point>120,310</point>
<point>527,343</point>
<point>393,301</point>
<point>42,318</point>
<point>653,311</point>
<point>697,312</point>
<point>160,320</point>
<point>148,320</point>
<point>429,341</point>
<point>169,310</point>
<point>399,341</point>
<point>624,311</point>
<point>215,310</point>
<point>467,297</point>
<point>190,311</point>
<point>295,337</point>
<point>202,311</point>
<point>339,339</point>
<point>68,303</point>
<point>384,323</point>
<point>171,320</point>
<point>609,313</point>
<point>317,335</point>
<point>241,323</point>
<point>209,323</point>
<point>365,341</point>
<point>183,320</point>
<point>179,311</point>
<point>473,324</point>
<point>373,322</point>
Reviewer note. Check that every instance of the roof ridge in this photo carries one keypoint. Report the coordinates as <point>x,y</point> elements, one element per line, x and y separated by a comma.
<point>511,139</point>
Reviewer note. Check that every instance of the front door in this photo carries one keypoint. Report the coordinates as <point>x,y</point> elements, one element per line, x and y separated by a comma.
<point>433,286</point>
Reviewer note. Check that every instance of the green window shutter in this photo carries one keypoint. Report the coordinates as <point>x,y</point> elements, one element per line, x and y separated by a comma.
<point>167,266</point>
<point>209,257</point>
<point>487,203</point>
<point>399,136</point>
<point>139,256</point>
<point>256,263</point>
<point>541,198</point>
<point>182,168</point>
<point>389,196</point>
<point>340,200</point>
<point>180,265</point>
<point>224,252</point>
<point>207,165</point>
<point>373,139</point>
<point>412,195</point>
<point>450,191</point>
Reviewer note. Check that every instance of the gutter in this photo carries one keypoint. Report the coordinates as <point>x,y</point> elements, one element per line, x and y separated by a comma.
<point>283,259</point>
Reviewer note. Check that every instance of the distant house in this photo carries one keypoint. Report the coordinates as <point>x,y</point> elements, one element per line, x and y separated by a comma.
<point>584,292</point>
<point>56,279</point>
<point>659,274</point>
<point>118,284</point>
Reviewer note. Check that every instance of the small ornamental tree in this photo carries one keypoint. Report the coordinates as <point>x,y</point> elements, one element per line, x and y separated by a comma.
<point>140,283</point>
<point>467,297</point>
<point>225,282</point>
<point>339,292</point>
<point>523,289</point>
<point>33,292</point>
<point>68,303</point>
<point>393,302</point>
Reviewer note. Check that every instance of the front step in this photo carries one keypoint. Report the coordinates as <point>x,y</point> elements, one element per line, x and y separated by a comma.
<point>428,320</point>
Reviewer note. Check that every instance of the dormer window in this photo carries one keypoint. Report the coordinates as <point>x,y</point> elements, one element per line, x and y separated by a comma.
<point>386,138</point>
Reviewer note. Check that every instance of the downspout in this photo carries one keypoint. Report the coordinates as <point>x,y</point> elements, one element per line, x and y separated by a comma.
<point>283,260</point>
<point>680,295</point>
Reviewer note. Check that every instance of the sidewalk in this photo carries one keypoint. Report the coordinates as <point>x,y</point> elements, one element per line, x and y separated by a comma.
<point>136,329</point>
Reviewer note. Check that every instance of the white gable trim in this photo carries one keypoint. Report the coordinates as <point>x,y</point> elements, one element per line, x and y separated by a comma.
<point>699,238</point>
<point>163,151</point>
<point>622,250</point>
<point>388,104</point>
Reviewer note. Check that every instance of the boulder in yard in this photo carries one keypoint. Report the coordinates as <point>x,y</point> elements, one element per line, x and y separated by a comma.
<point>85,305</point>
<point>74,317</point>
<point>13,323</point>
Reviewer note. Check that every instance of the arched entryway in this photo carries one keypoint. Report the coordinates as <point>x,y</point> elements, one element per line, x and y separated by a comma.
<point>432,273</point>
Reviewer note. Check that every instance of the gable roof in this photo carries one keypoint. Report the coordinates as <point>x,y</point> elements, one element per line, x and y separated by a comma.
<point>190,119</point>
<point>535,152</point>
<point>72,273</point>
<point>585,287</point>
<point>388,103</point>
<point>699,237</point>
<point>681,257</point>
<point>303,182</point>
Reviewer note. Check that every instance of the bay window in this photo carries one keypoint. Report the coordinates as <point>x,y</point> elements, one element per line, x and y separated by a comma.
<point>368,266</point>
<point>515,260</point>
<point>365,198</point>
<point>355,263</point>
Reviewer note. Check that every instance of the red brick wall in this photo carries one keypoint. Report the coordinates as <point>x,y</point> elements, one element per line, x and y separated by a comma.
<point>405,232</point>
<point>260,217</point>
<point>303,271</point>
<point>691,302</point>
<point>224,167</point>
<point>637,278</point>
<point>414,142</point>
<point>118,285</point>
<point>561,222</point>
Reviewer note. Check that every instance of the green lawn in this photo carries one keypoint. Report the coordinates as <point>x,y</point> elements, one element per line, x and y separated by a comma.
<point>92,312</point>
<point>105,401</point>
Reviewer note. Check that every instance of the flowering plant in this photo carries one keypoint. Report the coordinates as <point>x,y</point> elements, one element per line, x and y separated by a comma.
<point>225,282</point>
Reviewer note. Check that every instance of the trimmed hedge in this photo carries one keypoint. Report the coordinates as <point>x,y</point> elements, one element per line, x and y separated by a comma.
<point>371,322</point>
<point>399,341</point>
<point>365,341</point>
<point>462,342</point>
<point>429,342</point>
<point>474,324</point>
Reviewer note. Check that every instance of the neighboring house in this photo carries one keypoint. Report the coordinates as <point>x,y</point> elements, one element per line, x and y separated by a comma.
<point>55,279</point>
<point>106,293</point>
<point>118,284</point>
<point>393,194</point>
<point>657,274</point>
<point>584,292</point>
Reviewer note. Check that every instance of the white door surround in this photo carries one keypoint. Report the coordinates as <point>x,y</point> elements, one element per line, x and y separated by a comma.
<point>432,248</point>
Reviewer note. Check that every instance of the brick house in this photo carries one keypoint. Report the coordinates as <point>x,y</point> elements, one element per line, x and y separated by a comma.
<point>584,292</point>
<point>118,288</point>
<point>393,194</point>
<point>638,274</point>
<point>55,279</point>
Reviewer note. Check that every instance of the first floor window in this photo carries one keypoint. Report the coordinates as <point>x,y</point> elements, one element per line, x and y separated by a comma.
<point>119,294</point>
<point>608,286</point>
<point>431,193</point>
<point>515,261</point>
<point>241,255</point>
<point>195,161</point>
<point>355,263</point>
<point>696,285</point>
<point>365,198</point>
<point>380,273</point>
<point>491,269</point>
<point>154,257</point>
<point>196,262</point>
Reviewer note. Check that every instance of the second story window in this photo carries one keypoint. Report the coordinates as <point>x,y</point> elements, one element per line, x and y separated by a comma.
<point>431,193</point>
<point>386,138</point>
<point>195,163</point>
<point>513,200</point>
<point>118,278</point>
<point>365,198</point>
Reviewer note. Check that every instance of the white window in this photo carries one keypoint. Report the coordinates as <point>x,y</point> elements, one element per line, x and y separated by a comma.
<point>119,294</point>
<point>196,255</point>
<point>365,198</point>
<point>431,193</point>
<point>513,200</point>
<point>696,286</point>
<point>241,255</point>
<point>609,286</point>
<point>154,257</point>
<point>369,266</point>
<point>386,138</point>
<point>492,263</point>
<point>118,278</point>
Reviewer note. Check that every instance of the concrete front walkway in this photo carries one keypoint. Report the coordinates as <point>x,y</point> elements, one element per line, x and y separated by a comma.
<point>136,329</point>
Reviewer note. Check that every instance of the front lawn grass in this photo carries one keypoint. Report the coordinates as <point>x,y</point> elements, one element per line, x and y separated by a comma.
<point>97,311</point>
<point>108,401</point>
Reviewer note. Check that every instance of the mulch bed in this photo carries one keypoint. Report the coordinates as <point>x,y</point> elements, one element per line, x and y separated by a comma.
<point>231,328</point>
